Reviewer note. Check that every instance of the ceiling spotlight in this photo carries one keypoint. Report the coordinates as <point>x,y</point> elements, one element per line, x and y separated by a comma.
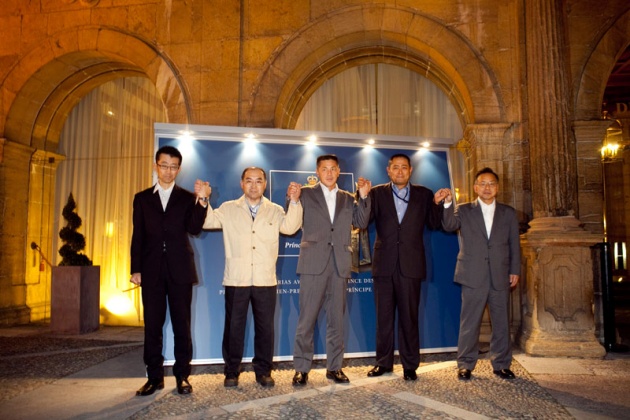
<point>185,135</point>
<point>312,138</point>
<point>425,144</point>
<point>370,141</point>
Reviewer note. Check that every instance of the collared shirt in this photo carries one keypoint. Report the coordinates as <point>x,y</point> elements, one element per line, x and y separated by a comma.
<point>331,200</point>
<point>488,214</point>
<point>401,200</point>
<point>165,194</point>
<point>251,245</point>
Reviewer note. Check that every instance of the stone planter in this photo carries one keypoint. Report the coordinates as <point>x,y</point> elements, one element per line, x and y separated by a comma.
<point>75,299</point>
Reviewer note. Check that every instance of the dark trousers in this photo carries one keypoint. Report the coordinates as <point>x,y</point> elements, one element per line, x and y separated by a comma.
<point>237,300</point>
<point>154,299</point>
<point>401,294</point>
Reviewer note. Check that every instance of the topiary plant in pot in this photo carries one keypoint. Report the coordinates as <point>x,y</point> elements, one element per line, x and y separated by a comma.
<point>75,291</point>
<point>74,242</point>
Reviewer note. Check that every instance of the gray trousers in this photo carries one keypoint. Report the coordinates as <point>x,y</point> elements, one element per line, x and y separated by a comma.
<point>326,290</point>
<point>474,301</point>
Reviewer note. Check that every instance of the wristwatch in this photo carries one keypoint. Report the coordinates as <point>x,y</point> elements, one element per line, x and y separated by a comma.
<point>204,199</point>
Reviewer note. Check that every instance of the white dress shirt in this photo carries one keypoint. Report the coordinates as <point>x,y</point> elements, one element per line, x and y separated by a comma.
<point>331,200</point>
<point>488,214</point>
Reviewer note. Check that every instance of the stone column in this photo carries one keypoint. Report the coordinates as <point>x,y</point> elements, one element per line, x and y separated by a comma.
<point>14,176</point>
<point>41,221</point>
<point>558,267</point>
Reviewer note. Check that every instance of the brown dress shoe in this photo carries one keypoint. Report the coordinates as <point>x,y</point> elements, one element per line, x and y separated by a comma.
<point>266,381</point>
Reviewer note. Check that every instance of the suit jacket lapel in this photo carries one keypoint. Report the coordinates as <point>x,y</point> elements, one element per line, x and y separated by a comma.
<point>496,220</point>
<point>411,197</point>
<point>156,201</point>
<point>390,206</point>
<point>339,204</point>
<point>478,216</point>
<point>321,200</point>
<point>175,196</point>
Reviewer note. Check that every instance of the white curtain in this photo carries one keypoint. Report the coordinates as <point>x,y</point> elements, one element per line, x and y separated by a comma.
<point>381,99</point>
<point>108,143</point>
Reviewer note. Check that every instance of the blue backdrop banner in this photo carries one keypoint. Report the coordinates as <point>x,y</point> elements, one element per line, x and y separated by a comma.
<point>221,160</point>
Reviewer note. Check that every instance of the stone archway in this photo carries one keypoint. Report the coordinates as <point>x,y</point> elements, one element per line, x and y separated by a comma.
<point>51,79</point>
<point>36,96</point>
<point>382,33</point>
<point>588,126</point>
<point>591,82</point>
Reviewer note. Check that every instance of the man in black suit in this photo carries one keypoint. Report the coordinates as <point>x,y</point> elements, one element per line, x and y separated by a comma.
<point>162,263</point>
<point>324,265</point>
<point>488,266</point>
<point>400,210</point>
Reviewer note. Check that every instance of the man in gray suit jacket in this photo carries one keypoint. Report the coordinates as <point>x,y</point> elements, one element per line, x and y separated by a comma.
<point>324,265</point>
<point>488,266</point>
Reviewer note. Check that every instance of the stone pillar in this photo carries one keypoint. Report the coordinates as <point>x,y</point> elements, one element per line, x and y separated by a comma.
<point>14,176</point>
<point>558,279</point>
<point>40,230</point>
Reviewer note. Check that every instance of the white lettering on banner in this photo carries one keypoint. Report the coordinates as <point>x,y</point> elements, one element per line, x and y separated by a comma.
<point>359,289</point>
<point>287,291</point>
<point>291,245</point>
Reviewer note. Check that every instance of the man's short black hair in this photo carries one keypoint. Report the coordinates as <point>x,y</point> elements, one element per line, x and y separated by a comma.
<point>253,168</point>
<point>168,150</point>
<point>400,155</point>
<point>486,171</point>
<point>327,157</point>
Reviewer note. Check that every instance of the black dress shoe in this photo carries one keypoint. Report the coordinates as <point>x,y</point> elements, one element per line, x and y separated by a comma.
<point>378,371</point>
<point>300,378</point>
<point>410,374</point>
<point>183,386</point>
<point>505,374</point>
<point>230,381</point>
<point>338,376</point>
<point>463,374</point>
<point>150,387</point>
<point>265,380</point>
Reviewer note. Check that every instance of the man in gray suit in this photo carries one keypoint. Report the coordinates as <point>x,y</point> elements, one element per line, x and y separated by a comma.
<point>488,266</point>
<point>324,265</point>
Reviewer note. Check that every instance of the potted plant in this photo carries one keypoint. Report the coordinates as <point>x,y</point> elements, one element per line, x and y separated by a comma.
<point>75,297</point>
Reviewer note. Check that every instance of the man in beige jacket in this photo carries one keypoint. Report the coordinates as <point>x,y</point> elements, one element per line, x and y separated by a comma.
<point>251,226</point>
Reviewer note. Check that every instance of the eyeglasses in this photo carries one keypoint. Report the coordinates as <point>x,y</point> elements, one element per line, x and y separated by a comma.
<point>168,168</point>
<point>485,184</point>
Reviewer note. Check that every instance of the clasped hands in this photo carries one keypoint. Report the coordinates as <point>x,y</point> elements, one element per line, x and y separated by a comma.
<point>364,186</point>
<point>443,194</point>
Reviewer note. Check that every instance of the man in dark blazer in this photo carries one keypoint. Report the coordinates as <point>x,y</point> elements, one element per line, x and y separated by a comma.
<point>162,263</point>
<point>401,211</point>
<point>324,265</point>
<point>488,266</point>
